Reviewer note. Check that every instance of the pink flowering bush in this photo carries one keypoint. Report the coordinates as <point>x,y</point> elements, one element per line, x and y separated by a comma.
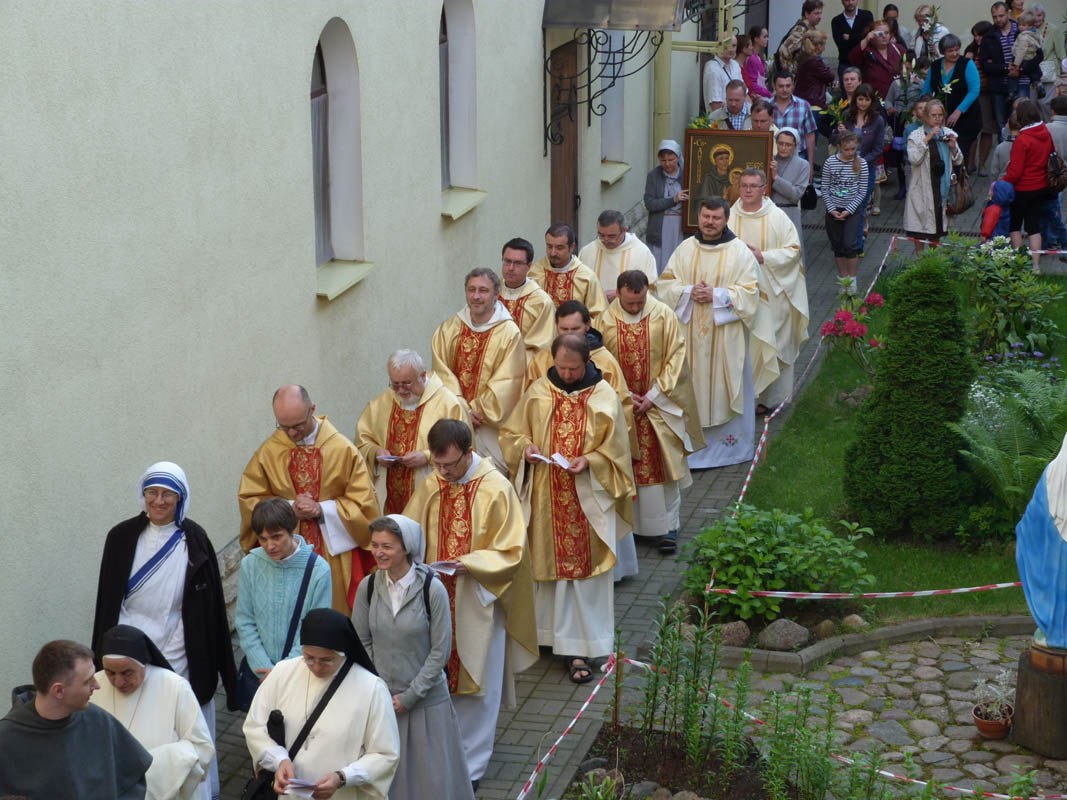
<point>848,330</point>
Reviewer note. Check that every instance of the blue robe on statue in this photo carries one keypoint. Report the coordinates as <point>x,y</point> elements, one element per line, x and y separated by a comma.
<point>1041,555</point>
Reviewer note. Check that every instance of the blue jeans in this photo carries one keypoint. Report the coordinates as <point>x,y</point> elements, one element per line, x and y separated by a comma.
<point>863,208</point>
<point>1053,231</point>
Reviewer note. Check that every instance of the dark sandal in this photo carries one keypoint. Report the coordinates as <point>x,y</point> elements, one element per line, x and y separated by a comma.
<point>575,669</point>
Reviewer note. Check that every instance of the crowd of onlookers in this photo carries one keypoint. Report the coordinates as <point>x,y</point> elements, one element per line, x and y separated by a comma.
<point>924,105</point>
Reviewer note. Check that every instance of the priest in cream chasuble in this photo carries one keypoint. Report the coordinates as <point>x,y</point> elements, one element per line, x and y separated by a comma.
<point>712,283</point>
<point>775,243</point>
<point>529,305</point>
<point>563,276</point>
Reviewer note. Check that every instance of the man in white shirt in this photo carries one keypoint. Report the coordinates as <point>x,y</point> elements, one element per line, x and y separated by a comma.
<point>718,72</point>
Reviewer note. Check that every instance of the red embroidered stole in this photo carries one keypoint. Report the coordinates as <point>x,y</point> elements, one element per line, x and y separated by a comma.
<point>400,440</point>
<point>634,358</point>
<point>570,528</point>
<point>467,360</point>
<point>560,285</point>
<point>516,308</point>
<point>455,530</point>
<point>305,471</point>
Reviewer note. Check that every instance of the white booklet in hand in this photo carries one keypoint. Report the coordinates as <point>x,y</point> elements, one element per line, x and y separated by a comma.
<point>445,567</point>
<point>557,459</point>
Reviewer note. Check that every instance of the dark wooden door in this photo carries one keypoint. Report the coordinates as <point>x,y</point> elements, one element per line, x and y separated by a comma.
<point>563,105</point>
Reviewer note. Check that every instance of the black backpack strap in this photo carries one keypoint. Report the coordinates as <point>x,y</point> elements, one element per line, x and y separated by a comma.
<point>431,574</point>
<point>319,708</point>
<point>295,620</point>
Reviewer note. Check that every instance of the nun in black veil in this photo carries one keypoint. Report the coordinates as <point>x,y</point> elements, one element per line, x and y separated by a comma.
<point>353,746</point>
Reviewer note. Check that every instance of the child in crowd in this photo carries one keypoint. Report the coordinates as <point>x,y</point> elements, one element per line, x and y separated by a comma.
<point>996,219</point>
<point>998,164</point>
<point>1024,51</point>
<point>844,186</point>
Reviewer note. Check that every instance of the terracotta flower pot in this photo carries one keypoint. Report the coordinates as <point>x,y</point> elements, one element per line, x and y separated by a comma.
<point>992,728</point>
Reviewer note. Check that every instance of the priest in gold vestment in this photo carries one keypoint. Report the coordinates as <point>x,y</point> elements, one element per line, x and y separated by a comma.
<point>712,283</point>
<point>523,297</point>
<point>475,530</point>
<point>775,242</point>
<point>479,355</point>
<point>573,317</point>
<point>562,274</point>
<point>646,338</point>
<point>391,431</point>
<point>310,463</point>
<point>614,251</point>
<point>579,505</point>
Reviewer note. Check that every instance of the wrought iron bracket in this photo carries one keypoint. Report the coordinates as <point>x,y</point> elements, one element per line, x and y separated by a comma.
<point>604,67</point>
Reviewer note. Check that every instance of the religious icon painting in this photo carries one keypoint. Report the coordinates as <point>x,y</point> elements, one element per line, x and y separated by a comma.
<point>714,161</point>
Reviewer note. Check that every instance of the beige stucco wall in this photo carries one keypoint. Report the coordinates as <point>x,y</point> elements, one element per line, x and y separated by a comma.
<point>156,226</point>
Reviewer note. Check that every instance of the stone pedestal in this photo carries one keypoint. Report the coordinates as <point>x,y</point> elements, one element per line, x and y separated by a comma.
<point>1040,722</point>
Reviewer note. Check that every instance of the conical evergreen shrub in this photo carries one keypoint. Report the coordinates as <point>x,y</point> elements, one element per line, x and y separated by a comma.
<point>902,474</point>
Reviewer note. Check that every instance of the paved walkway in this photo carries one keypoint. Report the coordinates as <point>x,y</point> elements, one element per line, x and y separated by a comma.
<point>548,700</point>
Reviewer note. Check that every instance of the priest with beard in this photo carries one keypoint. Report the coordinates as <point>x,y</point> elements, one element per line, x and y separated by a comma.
<point>568,447</point>
<point>391,432</point>
<point>775,242</point>
<point>712,283</point>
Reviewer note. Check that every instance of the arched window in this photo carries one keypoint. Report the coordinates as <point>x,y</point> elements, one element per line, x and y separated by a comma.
<point>459,134</point>
<point>336,147</point>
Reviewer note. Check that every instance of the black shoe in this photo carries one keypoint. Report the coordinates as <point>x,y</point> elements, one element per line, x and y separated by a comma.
<point>474,785</point>
<point>668,545</point>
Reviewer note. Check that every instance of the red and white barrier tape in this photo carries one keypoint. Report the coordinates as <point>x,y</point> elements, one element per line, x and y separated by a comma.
<point>710,589</point>
<point>610,667</point>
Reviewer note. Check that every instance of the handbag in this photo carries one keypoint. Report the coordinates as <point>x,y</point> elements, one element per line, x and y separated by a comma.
<point>1056,172</point>
<point>809,199</point>
<point>960,193</point>
<point>261,786</point>
<point>247,680</point>
<point>879,172</point>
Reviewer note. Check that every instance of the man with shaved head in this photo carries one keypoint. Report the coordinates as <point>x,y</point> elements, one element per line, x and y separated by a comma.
<point>311,464</point>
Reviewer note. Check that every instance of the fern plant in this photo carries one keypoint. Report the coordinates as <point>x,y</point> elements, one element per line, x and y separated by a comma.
<point>1010,434</point>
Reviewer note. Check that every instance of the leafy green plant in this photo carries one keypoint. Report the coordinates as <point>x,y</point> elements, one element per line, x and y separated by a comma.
<point>902,473</point>
<point>590,789</point>
<point>1007,300</point>
<point>773,550</point>
<point>847,331</point>
<point>1010,432</point>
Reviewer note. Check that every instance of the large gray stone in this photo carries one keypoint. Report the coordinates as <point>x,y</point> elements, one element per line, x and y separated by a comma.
<point>926,673</point>
<point>935,757</point>
<point>933,742</point>
<point>644,789</point>
<point>1009,763</point>
<point>783,635</point>
<point>979,771</point>
<point>923,728</point>
<point>854,622</point>
<point>929,700</point>
<point>853,697</point>
<point>890,732</point>
<point>825,629</point>
<point>944,775</point>
<point>961,680</point>
<point>849,680</point>
<point>855,716</point>
<point>735,634</point>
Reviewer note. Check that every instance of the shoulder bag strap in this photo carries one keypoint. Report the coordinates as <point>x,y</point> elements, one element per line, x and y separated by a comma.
<point>319,708</point>
<point>295,620</point>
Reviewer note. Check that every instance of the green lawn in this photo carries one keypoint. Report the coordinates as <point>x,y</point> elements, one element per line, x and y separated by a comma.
<point>803,468</point>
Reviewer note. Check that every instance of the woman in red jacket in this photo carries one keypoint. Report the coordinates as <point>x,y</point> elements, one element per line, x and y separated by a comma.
<point>1027,172</point>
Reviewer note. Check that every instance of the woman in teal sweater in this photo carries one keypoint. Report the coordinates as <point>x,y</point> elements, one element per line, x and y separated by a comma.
<point>270,582</point>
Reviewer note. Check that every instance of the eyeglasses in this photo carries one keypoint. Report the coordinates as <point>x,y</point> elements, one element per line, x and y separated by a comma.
<point>326,661</point>
<point>157,493</point>
<point>516,262</point>
<point>295,427</point>
<point>398,385</point>
<point>443,465</point>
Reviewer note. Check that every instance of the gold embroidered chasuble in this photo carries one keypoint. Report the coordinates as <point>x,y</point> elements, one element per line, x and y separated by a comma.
<point>384,425</point>
<point>609,264</point>
<point>716,353</point>
<point>485,366</point>
<point>534,313</point>
<point>480,523</point>
<point>569,521</point>
<point>650,349</point>
<point>781,274</point>
<point>574,282</point>
<point>538,366</point>
<point>331,469</point>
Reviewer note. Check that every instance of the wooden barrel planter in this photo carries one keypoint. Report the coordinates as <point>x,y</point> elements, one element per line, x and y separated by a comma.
<point>1040,721</point>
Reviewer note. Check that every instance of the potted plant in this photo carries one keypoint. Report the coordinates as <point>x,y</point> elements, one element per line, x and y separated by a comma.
<point>993,707</point>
